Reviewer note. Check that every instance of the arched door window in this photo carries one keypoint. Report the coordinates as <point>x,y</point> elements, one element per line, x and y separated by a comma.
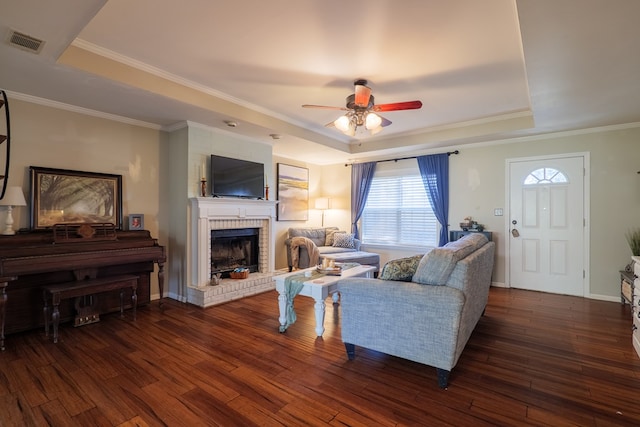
<point>545,176</point>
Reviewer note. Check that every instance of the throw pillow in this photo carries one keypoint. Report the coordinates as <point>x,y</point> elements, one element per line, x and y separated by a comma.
<point>401,269</point>
<point>435,267</point>
<point>343,240</point>
<point>476,240</point>
<point>329,236</point>
<point>463,247</point>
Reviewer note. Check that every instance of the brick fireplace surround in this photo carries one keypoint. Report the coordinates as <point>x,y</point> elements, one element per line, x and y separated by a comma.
<point>219,214</point>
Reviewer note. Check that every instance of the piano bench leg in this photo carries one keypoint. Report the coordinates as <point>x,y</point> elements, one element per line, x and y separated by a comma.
<point>46,317</point>
<point>134,301</point>
<point>56,320</point>
<point>122,302</point>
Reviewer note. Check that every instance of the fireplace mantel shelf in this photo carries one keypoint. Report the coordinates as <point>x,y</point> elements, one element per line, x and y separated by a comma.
<point>221,207</point>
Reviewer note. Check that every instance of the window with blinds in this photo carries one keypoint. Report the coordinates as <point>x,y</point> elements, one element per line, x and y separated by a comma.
<point>398,213</point>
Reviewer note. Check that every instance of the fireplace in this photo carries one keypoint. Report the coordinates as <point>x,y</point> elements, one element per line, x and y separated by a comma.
<point>214,219</point>
<point>234,248</point>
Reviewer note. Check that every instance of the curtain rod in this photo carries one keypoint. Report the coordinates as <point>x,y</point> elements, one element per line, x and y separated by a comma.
<point>406,158</point>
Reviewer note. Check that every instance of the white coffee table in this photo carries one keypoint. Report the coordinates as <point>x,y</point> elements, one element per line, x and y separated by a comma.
<point>318,289</point>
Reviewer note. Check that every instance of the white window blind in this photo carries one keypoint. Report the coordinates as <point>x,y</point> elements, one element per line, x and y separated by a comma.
<point>398,213</point>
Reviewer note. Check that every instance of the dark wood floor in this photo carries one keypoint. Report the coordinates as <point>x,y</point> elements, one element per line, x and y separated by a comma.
<point>534,359</point>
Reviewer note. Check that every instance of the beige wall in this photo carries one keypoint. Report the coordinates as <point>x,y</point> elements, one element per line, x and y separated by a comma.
<point>478,182</point>
<point>478,186</point>
<point>160,174</point>
<point>54,138</point>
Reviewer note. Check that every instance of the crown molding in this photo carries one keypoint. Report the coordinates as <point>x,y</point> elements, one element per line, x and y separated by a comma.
<point>81,110</point>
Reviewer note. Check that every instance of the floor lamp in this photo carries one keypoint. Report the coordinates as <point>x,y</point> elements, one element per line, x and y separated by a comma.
<point>322,203</point>
<point>12,197</point>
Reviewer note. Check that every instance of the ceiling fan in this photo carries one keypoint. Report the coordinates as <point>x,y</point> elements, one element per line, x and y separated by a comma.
<point>361,110</point>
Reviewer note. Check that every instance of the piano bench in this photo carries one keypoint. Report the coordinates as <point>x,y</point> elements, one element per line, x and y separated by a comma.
<point>83,288</point>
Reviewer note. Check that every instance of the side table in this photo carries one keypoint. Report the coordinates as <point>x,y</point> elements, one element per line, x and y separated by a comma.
<point>627,287</point>
<point>457,234</point>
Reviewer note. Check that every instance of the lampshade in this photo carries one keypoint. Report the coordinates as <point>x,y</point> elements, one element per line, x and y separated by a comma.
<point>373,121</point>
<point>13,197</point>
<point>342,123</point>
<point>322,203</point>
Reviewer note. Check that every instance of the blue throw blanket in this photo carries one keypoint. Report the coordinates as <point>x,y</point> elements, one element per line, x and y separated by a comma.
<point>294,284</point>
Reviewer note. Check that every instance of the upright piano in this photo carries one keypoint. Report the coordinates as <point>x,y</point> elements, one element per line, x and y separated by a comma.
<point>31,260</point>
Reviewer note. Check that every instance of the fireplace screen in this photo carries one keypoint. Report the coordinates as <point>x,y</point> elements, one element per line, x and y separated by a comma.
<point>234,248</point>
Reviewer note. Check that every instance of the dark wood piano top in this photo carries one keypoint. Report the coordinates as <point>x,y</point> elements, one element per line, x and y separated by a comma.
<point>36,252</point>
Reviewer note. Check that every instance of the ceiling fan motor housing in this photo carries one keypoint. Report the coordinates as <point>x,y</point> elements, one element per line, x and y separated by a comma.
<point>351,103</point>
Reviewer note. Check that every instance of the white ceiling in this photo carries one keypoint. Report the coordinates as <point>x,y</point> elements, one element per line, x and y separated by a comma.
<point>484,70</point>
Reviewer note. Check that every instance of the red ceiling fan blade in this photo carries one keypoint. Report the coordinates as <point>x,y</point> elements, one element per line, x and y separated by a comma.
<point>363,93</point>
<point>396,106</point>
<point>324,107</point>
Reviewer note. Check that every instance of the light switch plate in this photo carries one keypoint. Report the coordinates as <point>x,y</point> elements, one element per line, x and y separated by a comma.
<point>497,212</point>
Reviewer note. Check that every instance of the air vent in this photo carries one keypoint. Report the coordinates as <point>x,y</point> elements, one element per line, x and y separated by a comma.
<point>25,42</point>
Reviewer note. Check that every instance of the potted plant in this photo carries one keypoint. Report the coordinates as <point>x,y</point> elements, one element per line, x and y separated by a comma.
<point>633,239</point>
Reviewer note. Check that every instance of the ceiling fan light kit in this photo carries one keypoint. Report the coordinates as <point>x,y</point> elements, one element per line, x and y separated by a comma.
<point>349,123</point>
<point>361,111</point>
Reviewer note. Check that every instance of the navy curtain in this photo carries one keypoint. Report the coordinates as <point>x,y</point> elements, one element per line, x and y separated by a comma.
<point>435,176</point>
<point>361,177</point>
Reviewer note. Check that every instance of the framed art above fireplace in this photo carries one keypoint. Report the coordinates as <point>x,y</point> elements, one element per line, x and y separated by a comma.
<point>293,193</point>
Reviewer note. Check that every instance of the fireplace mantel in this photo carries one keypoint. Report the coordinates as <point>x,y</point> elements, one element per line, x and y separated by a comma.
<point>210,213</point>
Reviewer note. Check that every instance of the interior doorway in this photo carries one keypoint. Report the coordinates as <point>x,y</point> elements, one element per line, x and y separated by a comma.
<point>547,236</point>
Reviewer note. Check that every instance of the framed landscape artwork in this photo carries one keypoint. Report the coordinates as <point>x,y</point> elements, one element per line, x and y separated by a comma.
<point>293,193</point>
<point>60,196</point>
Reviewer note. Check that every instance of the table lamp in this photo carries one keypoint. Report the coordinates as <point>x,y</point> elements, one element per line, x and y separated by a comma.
<point>322,203</point>
<point>12,197</point>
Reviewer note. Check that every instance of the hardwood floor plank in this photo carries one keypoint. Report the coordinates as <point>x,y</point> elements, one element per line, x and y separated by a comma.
<point>134,422</point>
<point>24,377</point>
<point>59,386</point>
<point>55,414</point>
<point>16,411</point>
<point>93,417</point>
<point>534,360</point>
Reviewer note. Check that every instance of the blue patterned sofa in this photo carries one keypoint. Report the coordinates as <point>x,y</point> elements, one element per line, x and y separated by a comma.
<point>422,308</point>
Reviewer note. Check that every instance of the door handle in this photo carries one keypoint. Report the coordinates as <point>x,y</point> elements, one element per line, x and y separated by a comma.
<point>514,232</point>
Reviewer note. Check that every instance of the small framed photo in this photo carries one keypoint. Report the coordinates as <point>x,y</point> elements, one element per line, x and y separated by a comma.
<point>136,222</point>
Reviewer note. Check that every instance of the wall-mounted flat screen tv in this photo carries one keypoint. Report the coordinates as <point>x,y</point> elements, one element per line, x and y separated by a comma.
<point>236,178</point>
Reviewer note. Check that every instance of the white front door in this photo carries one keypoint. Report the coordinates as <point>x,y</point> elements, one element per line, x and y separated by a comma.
<point>547,225</point>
